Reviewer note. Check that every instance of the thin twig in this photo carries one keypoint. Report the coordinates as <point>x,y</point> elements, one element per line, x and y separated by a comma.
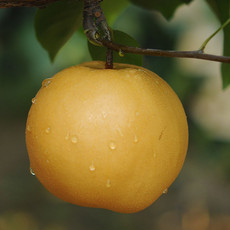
<point>25,3</point>
<point>212,35</point>
<point>196,54</point>
<point>106,41</point>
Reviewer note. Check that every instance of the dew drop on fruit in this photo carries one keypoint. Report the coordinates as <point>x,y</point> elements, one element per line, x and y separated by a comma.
<point>67,136</point>
<point>133,71</point>
<point>108,183</point>
<point>135,138</point>
<point>74,139</point>
<point>92,167</point>
<point>48,130</point>
<point>46,82</point>
<point>120,132</point>
<point>104,114</point>
<point>32,172</point>
<point>154,155</point>
<point>28,128</point>
<point>112,145</point>
<point>137,114</point>
<point>121,53</point>
<point>165,191</point>
<point>33,100</point>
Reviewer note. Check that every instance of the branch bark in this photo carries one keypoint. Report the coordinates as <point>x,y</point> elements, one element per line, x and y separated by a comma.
<point>25,3</point>
<point>104,41</point>
<point>196,54</point>
<point>94,23</point>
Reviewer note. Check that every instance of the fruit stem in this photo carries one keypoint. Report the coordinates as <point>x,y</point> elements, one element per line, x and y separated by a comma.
<point>109,59</point>
<point>96,27</point>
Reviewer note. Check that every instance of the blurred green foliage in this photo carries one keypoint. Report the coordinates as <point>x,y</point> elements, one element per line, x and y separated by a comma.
<point>55,24</point>
<point>166,7</point>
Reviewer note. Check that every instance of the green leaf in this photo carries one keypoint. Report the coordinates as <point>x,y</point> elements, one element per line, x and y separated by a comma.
<point>225,67</point>
<point>99,53</point>
<point>55,24</point>
<point>221,9</point>
<point>166,7</point>
<point>112,10</point>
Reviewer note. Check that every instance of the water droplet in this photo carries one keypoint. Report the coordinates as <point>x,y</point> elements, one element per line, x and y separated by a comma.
<point>28,128</point>
<point>104,114</point>
<point>108,183</point>
<point>92,167</point>
<point>165,191</point>
<point>48,130</point>
<point>96,35</point>
<point>67,136</point>
<point>121,53</point>
<point>74,139</point>
<point>132,71</point>
<point>135,139</point>
<point>32,172</point>
<point>137,114</point>
<point>142,70</point>
<point>47,161</point>
<point>120,132</point>
<point>154,155</point>
<point>46,82</point>
<point>33,100</point>
<point>90,117</point>
<point>112,145</point>
<point>157,82</point>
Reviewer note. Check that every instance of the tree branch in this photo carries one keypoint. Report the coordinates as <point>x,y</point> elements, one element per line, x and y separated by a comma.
<point>105,40</point>
<point>91,30</point>
<point>96,27</point>
<point>25,3</point>
<point>196,54</point>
